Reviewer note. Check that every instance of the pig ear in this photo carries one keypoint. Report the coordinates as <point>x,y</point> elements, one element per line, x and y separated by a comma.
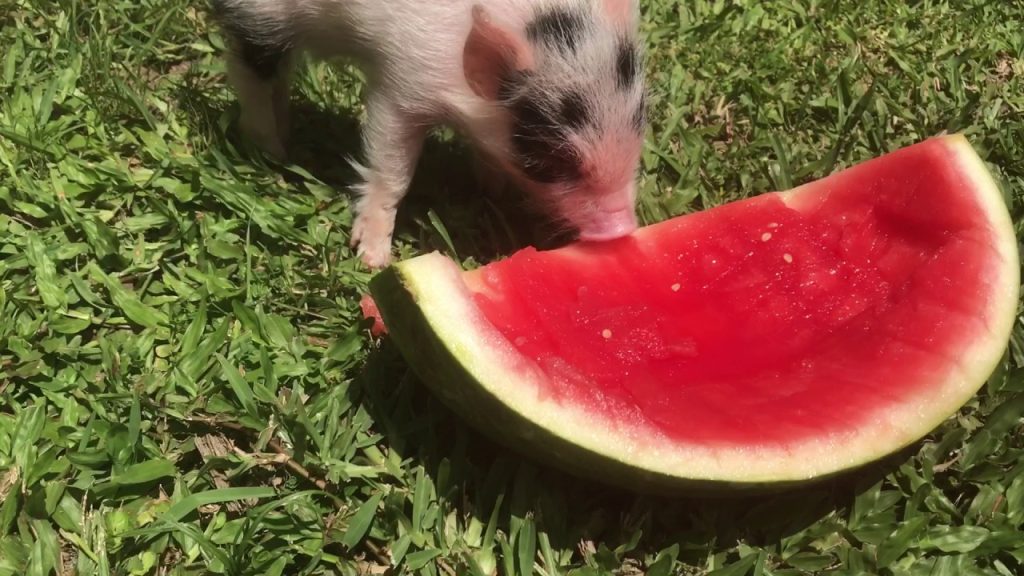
<point>490,53</point>
<point>621,10</point>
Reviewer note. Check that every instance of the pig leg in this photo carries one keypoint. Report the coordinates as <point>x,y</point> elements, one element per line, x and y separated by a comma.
<point>392,141</point>
<point>260,76</point>
<point>281,96</point>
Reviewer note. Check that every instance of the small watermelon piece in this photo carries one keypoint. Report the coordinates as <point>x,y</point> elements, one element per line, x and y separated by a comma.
<point>369,309</point>
<point>772,340</point>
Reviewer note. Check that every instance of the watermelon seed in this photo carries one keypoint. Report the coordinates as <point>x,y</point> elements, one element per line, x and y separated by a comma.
<point>766,236</point>
<point>788,258</point>
<point>773,224</point>
<point>606,333</point>
<point>675,287</point>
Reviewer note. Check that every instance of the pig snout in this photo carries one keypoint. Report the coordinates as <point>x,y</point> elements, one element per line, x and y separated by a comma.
<point>608,226</point>
<point>601,225</point>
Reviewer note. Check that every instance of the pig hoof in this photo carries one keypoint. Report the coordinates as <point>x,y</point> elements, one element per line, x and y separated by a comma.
<point>374,255</point>
<point>273,148</point>
<point>375,259</point>
<point>265,138</point>
<point>372,241</point>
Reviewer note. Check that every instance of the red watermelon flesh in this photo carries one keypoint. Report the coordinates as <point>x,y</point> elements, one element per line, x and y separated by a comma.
<point>369,310</point>
<point>759,321</point>
<point>858,309</point>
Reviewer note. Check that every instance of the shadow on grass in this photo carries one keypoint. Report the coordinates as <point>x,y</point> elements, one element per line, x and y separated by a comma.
<point>475,471</point>
<point>444,198</point>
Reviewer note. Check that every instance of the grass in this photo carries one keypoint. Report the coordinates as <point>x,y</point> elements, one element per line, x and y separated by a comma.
<point>186,385</point>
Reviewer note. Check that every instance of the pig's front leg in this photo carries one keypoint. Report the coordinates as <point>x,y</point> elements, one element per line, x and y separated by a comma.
<point>263,97</point>
<point>392,140</point>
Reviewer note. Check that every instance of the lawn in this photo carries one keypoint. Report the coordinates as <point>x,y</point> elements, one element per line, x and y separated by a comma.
<point>186,385</point>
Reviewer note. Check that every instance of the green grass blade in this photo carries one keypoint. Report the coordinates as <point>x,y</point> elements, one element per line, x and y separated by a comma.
<point>192,502</point>
<point>360,522</point>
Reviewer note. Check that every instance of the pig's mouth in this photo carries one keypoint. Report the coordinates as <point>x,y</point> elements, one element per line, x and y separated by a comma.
<point>604,226</point>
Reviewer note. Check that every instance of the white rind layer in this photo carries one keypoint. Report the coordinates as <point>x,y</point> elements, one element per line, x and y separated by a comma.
<point>437,286</point>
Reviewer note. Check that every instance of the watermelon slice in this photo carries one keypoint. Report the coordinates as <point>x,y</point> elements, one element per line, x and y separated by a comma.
<point>776,339</point>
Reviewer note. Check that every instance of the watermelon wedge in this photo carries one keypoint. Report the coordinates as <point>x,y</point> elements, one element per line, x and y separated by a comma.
<point>777,339</point>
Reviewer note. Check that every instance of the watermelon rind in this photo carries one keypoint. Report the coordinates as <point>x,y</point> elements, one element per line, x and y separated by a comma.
<point>433,320</point>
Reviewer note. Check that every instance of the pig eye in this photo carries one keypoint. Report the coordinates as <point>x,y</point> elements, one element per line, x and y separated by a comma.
<point>627,66</point>
<point>640,115</point>
<point>541,146</point>
<point>574,110</point>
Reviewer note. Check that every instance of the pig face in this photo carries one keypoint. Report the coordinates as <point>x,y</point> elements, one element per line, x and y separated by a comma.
<point>572,89</point>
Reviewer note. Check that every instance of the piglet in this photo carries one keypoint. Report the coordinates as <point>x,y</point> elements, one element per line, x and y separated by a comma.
<point>549,92</point>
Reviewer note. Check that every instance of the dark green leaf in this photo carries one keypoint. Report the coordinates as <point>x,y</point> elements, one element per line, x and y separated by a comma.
<point>144,472</point>
<point>126,301</point>
<point>359,523</point>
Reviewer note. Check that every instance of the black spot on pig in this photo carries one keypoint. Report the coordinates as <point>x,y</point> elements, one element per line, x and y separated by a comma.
<point>541,145</point>
<point>627,65</point>
<point>574,110</point>
<point>264,59</point>
<point>260,52</point>
<point>556,28</point>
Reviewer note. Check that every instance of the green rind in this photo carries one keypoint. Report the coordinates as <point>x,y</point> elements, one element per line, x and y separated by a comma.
<point>447,347</point>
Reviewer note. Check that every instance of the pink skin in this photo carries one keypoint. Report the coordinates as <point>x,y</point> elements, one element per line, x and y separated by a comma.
<point>596,216</point>
<point>445,66</point>
<point>608,216</point>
